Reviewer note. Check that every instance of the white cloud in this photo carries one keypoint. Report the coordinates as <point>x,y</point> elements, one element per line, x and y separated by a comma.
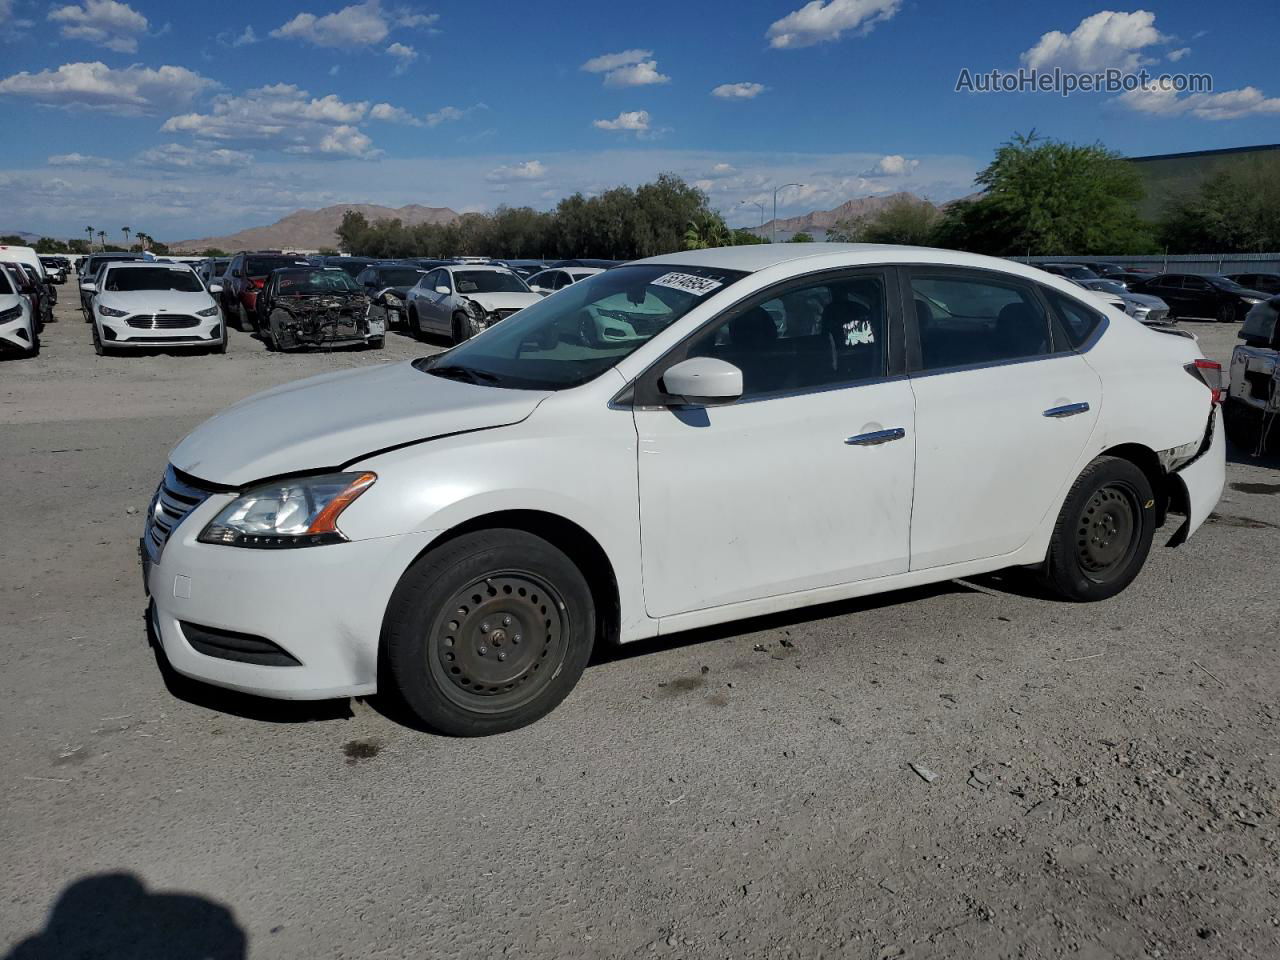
<point>1176,55</point>
<point>359,25</point>
<point>631,121</point>
<point>175,156</point>
<point>640,74</point>
<point>1104,40</point>
<point>95,86</point>
<point>389,114</point>
<point>450,114</point>
<point>723,169</point>
<point>627,68</point>
<point>106,23</point>
<point>78,160</point>
<point>244,38</point>
<point>612,61</point>
<point>892,165</point>
<point>738,91</point>
<point>283,116</point>
<point>525,170</point>
<point>403,54</point>
<point>819,22</point>
<point>1226,105</point>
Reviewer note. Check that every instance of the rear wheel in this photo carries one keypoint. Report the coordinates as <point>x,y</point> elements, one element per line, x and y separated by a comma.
<point>488,633</point>
<point>1104,532</point>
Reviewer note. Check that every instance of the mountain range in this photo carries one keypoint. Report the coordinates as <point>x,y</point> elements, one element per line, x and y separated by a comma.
<point>314,229</point>
<point>818,222</point>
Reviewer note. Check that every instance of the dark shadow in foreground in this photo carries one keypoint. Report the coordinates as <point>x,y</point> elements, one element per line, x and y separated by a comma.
<point>111,916</point>
<point>237,704</point>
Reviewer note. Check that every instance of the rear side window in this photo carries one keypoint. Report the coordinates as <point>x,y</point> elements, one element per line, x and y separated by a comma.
<point>971,320</point>
<point>1078,321</point>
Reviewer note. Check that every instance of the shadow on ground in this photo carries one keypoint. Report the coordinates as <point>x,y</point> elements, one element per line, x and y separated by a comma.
<point>112,916</point>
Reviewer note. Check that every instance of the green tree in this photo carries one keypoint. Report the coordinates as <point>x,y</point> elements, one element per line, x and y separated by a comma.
<point>745,237</point>
<point>1051,197</point>
<point>904,219</point>
<point>706,229</point>
<point>1236,210</point>
<point>802,238</point>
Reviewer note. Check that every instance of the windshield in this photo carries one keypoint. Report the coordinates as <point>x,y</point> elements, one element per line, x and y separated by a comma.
<point>350,267</point>
<point>313,282</point>
<point>488,281</point>
<point>407,277</point>
<point>127,279</point>
<point>582,331</point>
<point>261,266</point>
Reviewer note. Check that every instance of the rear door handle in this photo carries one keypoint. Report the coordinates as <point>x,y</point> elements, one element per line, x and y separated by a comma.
<point>876,437</point>
<point>1067,410</point>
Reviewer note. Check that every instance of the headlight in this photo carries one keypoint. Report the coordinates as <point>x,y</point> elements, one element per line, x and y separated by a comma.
<point>109,312</point>
<point>1141,312</point>
<point>1251,300</point>
<point>13,313</point>
<point>391,299</point>
<point>288,513</point>
<point>209,312</point>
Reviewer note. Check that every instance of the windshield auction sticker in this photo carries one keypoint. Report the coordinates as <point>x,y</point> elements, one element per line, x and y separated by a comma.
<point>698,286</point>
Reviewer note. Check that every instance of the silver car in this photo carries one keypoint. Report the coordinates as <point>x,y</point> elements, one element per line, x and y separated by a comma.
<point>460,300</point>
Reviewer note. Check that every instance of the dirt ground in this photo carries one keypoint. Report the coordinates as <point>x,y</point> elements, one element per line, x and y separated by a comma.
<point>1090,781</point>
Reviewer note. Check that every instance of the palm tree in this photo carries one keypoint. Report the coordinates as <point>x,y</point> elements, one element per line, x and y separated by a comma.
<point>89,231</point>
<point>125,231</point>
<point>706,230</point>
<point>102,238</point>
<point>143,239</point>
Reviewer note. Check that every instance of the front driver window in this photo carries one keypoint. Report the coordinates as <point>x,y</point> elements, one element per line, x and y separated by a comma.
<point>820,335</point>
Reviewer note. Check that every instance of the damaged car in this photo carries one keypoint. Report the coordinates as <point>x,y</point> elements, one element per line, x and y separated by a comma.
<point>1253,393</point>
<point>388,286</point>
<point>303,307</point>
<point>462,300</point>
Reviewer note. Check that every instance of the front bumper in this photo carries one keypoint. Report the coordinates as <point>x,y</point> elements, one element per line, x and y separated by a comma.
<point>16,336</point>
<point>322,605</point>
<point>117,332</point>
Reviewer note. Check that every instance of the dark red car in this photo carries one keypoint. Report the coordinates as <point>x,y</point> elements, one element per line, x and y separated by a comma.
<point>244,278</point>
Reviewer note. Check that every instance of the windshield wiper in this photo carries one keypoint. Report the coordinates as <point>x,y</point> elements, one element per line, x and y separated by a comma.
<point>466,374</point>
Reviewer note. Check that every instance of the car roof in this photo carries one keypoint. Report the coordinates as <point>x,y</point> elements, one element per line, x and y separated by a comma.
<point>761,256</point>
<point>474,266</point>
<point>135,264</point>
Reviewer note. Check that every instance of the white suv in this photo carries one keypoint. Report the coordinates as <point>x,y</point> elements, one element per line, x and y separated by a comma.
<point>756,428</point>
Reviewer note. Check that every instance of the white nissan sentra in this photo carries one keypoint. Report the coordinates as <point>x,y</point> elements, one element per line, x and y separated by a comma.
<point>742,430</point>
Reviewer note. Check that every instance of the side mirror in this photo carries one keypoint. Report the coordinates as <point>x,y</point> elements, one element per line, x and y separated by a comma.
<point>443,290</point>
<point>89,287</point>
<point>215,288</point>
<point>703,381</point>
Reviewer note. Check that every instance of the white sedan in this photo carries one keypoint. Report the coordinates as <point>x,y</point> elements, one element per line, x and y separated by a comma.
<point>136,303</point>
<point>780,426</point>
<point>549,281</point>
<point>19,328</point>
<point>464,299</point>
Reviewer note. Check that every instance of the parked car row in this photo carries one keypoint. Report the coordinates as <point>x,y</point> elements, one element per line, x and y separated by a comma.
<point>1225,298</point>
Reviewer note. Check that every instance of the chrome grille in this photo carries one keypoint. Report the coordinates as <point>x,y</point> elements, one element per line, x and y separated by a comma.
<point>175,498</point>
<point>162,321</point>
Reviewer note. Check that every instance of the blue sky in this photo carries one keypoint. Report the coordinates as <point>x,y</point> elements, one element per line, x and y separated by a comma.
<point>191,119</point>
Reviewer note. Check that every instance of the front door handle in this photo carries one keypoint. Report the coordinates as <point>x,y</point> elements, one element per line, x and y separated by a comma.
<point>876,437</point>
<point>1067,410</point>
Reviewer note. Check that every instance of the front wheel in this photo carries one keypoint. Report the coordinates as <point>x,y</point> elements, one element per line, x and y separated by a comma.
<point>412,324</point>
<point>1104,532</point>
<point>1226,313</point>
<point>461,327</point>
<point>488,633</point>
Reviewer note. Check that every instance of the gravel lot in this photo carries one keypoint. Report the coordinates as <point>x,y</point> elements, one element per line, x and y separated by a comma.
<point>1104,777</point>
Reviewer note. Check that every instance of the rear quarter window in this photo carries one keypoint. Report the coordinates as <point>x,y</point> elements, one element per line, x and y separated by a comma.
<point>1078,321</point>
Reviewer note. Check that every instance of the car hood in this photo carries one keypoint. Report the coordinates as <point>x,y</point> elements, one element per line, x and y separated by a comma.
<point>333,419</point>
<point>502,301</point>
<point>155,301</point>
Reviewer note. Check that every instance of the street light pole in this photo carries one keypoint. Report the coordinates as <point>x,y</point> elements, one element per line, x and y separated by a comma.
<point>773,227</point>
<point>755,203</point>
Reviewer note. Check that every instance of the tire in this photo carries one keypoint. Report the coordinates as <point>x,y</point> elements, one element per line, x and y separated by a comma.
<point>98,346</point>
<point>1103,534</point>
<point>34,350</point>
<point>221,347</point>
<point>1226,313</point>
<point>269,338</point>
<point>456,621</point>
<point>413,325</point>
<point>460,328</point>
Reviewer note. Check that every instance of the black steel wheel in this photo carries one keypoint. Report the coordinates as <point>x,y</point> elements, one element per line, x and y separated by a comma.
<point>1103,533</point>
<point>488,632</point>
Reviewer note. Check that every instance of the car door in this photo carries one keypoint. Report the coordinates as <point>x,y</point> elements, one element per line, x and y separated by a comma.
<point>1201,296</point>
<point>802,483</point>
<point>1005,403</point>
<point>437,313</point>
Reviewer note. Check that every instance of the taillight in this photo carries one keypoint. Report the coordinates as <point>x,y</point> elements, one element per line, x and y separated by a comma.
<point>1208,372</point>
